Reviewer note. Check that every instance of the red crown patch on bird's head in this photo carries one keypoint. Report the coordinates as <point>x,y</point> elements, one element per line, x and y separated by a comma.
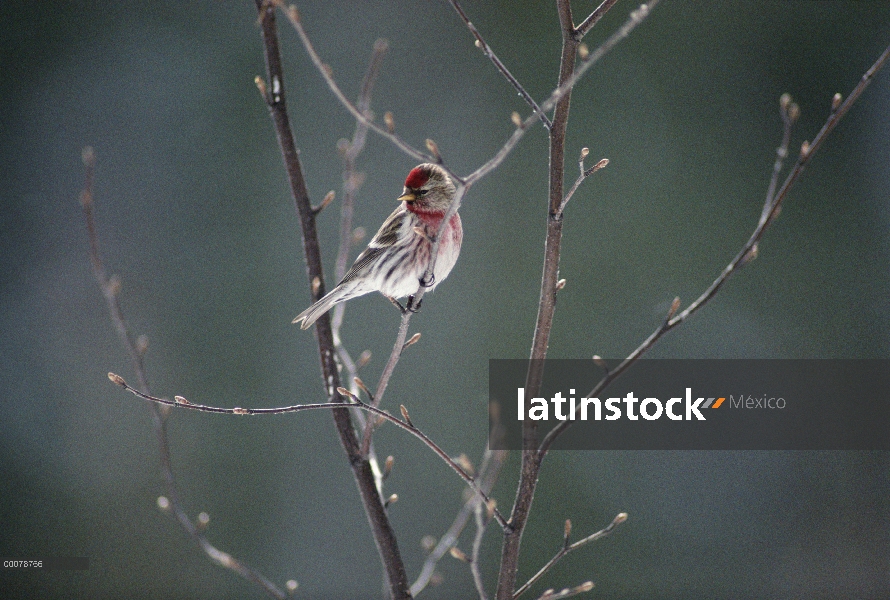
<point>417,177</point>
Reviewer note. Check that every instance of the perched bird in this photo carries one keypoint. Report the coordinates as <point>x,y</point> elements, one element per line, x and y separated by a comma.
<point>397,256</point>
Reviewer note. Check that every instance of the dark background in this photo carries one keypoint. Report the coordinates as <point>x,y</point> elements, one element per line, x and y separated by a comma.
<point>196,218</point>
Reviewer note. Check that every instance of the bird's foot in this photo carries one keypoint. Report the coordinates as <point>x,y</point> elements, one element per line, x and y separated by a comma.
<point>412,306</point>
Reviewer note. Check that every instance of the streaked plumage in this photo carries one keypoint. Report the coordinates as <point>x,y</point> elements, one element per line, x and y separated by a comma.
<point>399,252</point>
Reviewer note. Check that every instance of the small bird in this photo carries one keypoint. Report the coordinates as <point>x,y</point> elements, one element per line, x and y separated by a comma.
<point>397,256</point>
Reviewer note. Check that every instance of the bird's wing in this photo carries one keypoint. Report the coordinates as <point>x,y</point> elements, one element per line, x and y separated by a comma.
<point>385,238</point>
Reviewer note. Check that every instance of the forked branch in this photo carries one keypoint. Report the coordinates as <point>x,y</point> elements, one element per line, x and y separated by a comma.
<point>384,536</point>
<point>749,250</point>
<point>570,547</point>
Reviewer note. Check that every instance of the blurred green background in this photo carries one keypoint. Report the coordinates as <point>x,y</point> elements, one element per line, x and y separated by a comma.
<point>196,218</point>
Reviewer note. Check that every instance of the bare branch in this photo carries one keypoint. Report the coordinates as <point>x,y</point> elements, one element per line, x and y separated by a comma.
<point>636,17</point>
<point>489,470</point>
<point>477,546</point>
<point>136,348</point>
<point>404,423</point>
<point>585,173</point>
<point>294,17</point>
<point>789,113</point>
<point>748,251</point>
<point>352,181</point>
<point>486,49</point>
<point>566,549</point>
<point>567,592</point>
<point>594,17</point>
<point>363,473</point>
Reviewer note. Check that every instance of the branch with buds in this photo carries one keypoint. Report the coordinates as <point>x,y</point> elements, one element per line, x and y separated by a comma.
<point>568,547</point>
<point>771,208</point>
<point>355,402</point>
<point>136,347</point>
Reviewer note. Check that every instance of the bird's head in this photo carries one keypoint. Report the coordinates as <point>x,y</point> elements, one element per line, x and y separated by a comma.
<point>428,188</point>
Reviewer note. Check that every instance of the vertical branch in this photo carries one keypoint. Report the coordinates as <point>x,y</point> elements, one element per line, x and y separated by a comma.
<point>546,306</point>
<point>384,536</point>
<point>352,181</point>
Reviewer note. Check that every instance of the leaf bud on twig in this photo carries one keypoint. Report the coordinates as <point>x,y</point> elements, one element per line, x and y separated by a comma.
<point>785,101</point>
<point>836,102</point>
<point>459,554</point>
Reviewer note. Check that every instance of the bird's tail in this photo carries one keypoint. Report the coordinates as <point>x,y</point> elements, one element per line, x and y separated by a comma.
<point>335,296</point>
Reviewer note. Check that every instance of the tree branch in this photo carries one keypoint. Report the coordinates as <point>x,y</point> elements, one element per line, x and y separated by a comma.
<point>636,17</point>
<point>355,402</point>
<point>567,548</point>
<point>136,348</point>
<point>384,536</point>
<point>352,181</point>
<point>486,49</point>
<point>749,250</point>
<point>594,17</point>
<point>489,470</point>
<point>476,548</point>
<point>585,173</point>
<point>294,17</point>
<point>528,478</point>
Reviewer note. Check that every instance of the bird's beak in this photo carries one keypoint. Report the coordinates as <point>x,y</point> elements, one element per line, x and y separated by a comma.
<point>407,197</point>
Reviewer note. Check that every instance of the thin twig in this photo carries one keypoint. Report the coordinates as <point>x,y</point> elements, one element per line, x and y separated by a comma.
<point>789,113</point>
<point>584,174</point>
<point>476,548</point>
<point>636,17</point>
<point>744,255</point>
<point>351,183</point>
<point>594,17</point>
<point>136,349</point>
<point>489,470</point>
<point>294,17</point>
<point>567,548</point>
<point>486,49</point>
<point>356,402</point>
<point>567,592</point>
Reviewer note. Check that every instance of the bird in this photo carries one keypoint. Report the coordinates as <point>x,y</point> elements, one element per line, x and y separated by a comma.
<point>399,253</point>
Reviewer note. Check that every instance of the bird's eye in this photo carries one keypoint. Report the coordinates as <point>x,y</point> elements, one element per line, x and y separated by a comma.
<point>421,192</point>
